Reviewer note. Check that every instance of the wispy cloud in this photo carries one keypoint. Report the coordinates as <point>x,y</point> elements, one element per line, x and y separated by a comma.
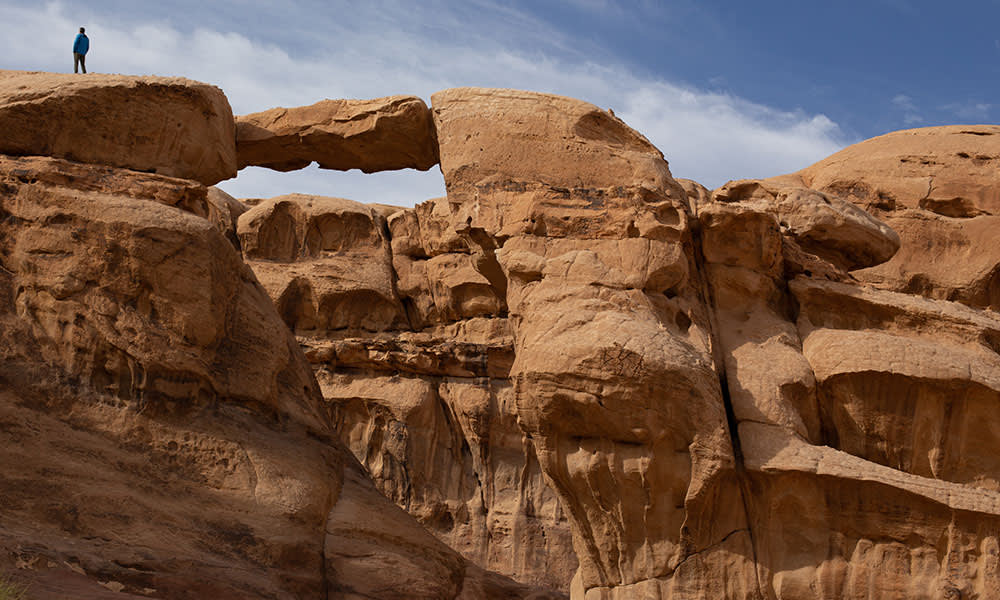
<point>368,51</point>
<point>905,104</point>
<point>978,112</point>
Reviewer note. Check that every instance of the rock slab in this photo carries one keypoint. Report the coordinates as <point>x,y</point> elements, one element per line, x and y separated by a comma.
<point>166,125</point>
<point>372,135</point>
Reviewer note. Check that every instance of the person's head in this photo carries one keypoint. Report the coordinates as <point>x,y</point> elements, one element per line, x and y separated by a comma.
<point>81,30</point>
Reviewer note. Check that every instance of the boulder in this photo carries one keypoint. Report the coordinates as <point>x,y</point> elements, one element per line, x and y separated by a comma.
<point>523,162</point>
<point>372,135</point>
<point>832,228</point>
<point>166,125</point>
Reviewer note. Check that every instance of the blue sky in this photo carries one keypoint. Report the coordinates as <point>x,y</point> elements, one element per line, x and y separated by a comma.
<point>726,89</point>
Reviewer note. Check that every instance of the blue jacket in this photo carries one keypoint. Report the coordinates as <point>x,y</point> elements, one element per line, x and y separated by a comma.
<point>81,45</point>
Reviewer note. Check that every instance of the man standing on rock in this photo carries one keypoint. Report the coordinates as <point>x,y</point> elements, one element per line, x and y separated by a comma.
<point>80,47</point>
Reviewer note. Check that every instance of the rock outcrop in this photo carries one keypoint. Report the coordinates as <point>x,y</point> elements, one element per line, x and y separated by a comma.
<point>412,350</point>
<point>939,189</point>
<point>573,370</point>
<point>165,125</point>
<point>161,433</point>
<point>371,135</point>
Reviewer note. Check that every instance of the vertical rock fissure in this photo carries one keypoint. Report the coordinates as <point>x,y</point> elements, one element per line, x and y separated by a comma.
<point>718,357</point>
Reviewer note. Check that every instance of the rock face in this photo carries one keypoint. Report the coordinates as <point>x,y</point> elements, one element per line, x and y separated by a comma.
<point>939,189</point>
<point>613,371</point>
<point>412,349</point>
<point>371,135</point>
<point>573,370</point>
<point>692,381</point>
<point>166,125</point>
<point>161,433</point>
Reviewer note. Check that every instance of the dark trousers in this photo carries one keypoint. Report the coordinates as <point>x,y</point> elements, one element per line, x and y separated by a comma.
<point>79,60</point>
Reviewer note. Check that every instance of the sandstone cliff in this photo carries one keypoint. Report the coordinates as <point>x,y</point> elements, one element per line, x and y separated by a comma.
<point>162,434</point>
<point>574,370</point>
<point>718,405</point>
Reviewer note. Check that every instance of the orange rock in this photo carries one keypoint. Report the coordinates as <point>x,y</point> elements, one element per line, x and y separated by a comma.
<point>186,448</point>
<point>372,135</point>
<point>167,125</point>
<point>938,187</point>
<point>522,162</point>
<point>951,171</point>
<point>325,261</point>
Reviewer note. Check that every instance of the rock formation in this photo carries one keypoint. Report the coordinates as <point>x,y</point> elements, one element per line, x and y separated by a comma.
<point>938,188</point>
<point>412,349</point>
<point>371,135</point>
<point>719,406</point>
<point>162,434</point>
<point>573,370</point>
<point>166,125</point>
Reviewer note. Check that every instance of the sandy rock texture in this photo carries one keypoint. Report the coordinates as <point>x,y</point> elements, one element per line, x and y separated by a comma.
<point>412,349</point>
<point>939,189</point>
<point>572,376</point>
<point>372,135</point>
<point>161,433</point>
<point>166,125</point>
<point>859,419</point>
<point>689,390</point>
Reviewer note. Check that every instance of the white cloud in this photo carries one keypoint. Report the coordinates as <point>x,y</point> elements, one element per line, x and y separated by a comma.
<point>978,112</point>
<point>905,104</point>
<point>707,136</point>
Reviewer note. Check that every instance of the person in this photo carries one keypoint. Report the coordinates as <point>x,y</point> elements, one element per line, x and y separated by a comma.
<point>80,47</point>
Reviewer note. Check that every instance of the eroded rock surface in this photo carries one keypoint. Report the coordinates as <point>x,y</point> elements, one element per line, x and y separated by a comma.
<point>412,350</point>
<point>372,135</point>
<point>166,125</point>
<point>694,382</point>
<point>939,189</point>
<point>573,370</point>
<point>162,433</point>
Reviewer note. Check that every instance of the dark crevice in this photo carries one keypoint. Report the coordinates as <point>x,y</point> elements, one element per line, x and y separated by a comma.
<point>718,357</point>
<point>383,223</point>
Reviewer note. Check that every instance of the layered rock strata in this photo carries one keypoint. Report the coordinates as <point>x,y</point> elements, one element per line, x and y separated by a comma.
<point>720,408</point>
<point>574,369</point>
<point>412,349</point>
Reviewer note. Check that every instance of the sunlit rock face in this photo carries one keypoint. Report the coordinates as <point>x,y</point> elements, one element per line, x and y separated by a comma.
<point>574,375</point>
<point>372,135</point>
<point>939,188</point>
<point>692,386</point>
<point>166,125</point>
<point>161,432</point>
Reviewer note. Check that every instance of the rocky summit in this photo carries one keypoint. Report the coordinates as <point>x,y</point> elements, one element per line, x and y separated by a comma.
<point>574,376</point>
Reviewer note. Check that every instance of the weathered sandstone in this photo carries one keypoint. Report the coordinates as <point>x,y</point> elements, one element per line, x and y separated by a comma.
<point>692,381</point>
<point>947,170</point>
<point>412,351</point>
<point>166,125</point>
<point>613,371</point>
<point>573,371</point>
<point>185,447</point>
<point>325,261</point>
<point>856,412</point>
<point>372,135</point>
<point>939,189</point>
